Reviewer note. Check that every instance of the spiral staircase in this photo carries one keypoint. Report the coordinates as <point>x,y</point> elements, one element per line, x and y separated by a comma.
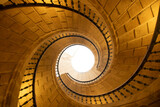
<point>122,34</point>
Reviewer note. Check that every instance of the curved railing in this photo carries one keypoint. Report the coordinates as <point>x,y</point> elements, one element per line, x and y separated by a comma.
<point>147,72</point>
<point>77,7</point>
<point>30,72</point>
<point>88,81</point>
<point>137,82</point>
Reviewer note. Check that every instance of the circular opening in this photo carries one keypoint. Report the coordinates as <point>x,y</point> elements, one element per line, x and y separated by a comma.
<point>81,58</point>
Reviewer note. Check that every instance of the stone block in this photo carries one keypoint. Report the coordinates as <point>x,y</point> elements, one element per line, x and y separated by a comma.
<point>126,37</point>
<point>5,33</point>
<point>52,12</point>
<point>52,26</point>
<point>122,46</point>
<point>44,27</point>
<point>123,5</point>
<point>30,25</point>
<point>114,15</point>
<point>127,53</point>
<point>69,21</point>
<point>121,31</point>
<point>18,28</point>
<point>140,51</point>
<point>122,20</point>
<point>59,98</point>
<point>131,61</point>
<point>135,43</point>
<point>155,8</point>
<point>35,17</point>
<point>47,18</point>
<point>110,5</point>
<point>12,12</point>
<point>56,22</point>
<point>30,35</point>
<point>39,32</point>
<point>16,38</point>
<point>27,10</point>
<point>62,16</point>
<point>102,2</point>
<point>145,15</point>
<point>21,18</point>
<point>146,40</point>
<point>146,2</point>
<point>68,13</point>
<point>152,24</point>
<point>141,30</point>
<point>6,21</point>
<point>135,8</point>
<point>64,25</point>
<point>55,103</point>
<point>132,24</point>
<point>41,10</point>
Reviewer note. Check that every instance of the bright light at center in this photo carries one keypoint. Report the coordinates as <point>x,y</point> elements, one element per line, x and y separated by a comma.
<point>82,58</point>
